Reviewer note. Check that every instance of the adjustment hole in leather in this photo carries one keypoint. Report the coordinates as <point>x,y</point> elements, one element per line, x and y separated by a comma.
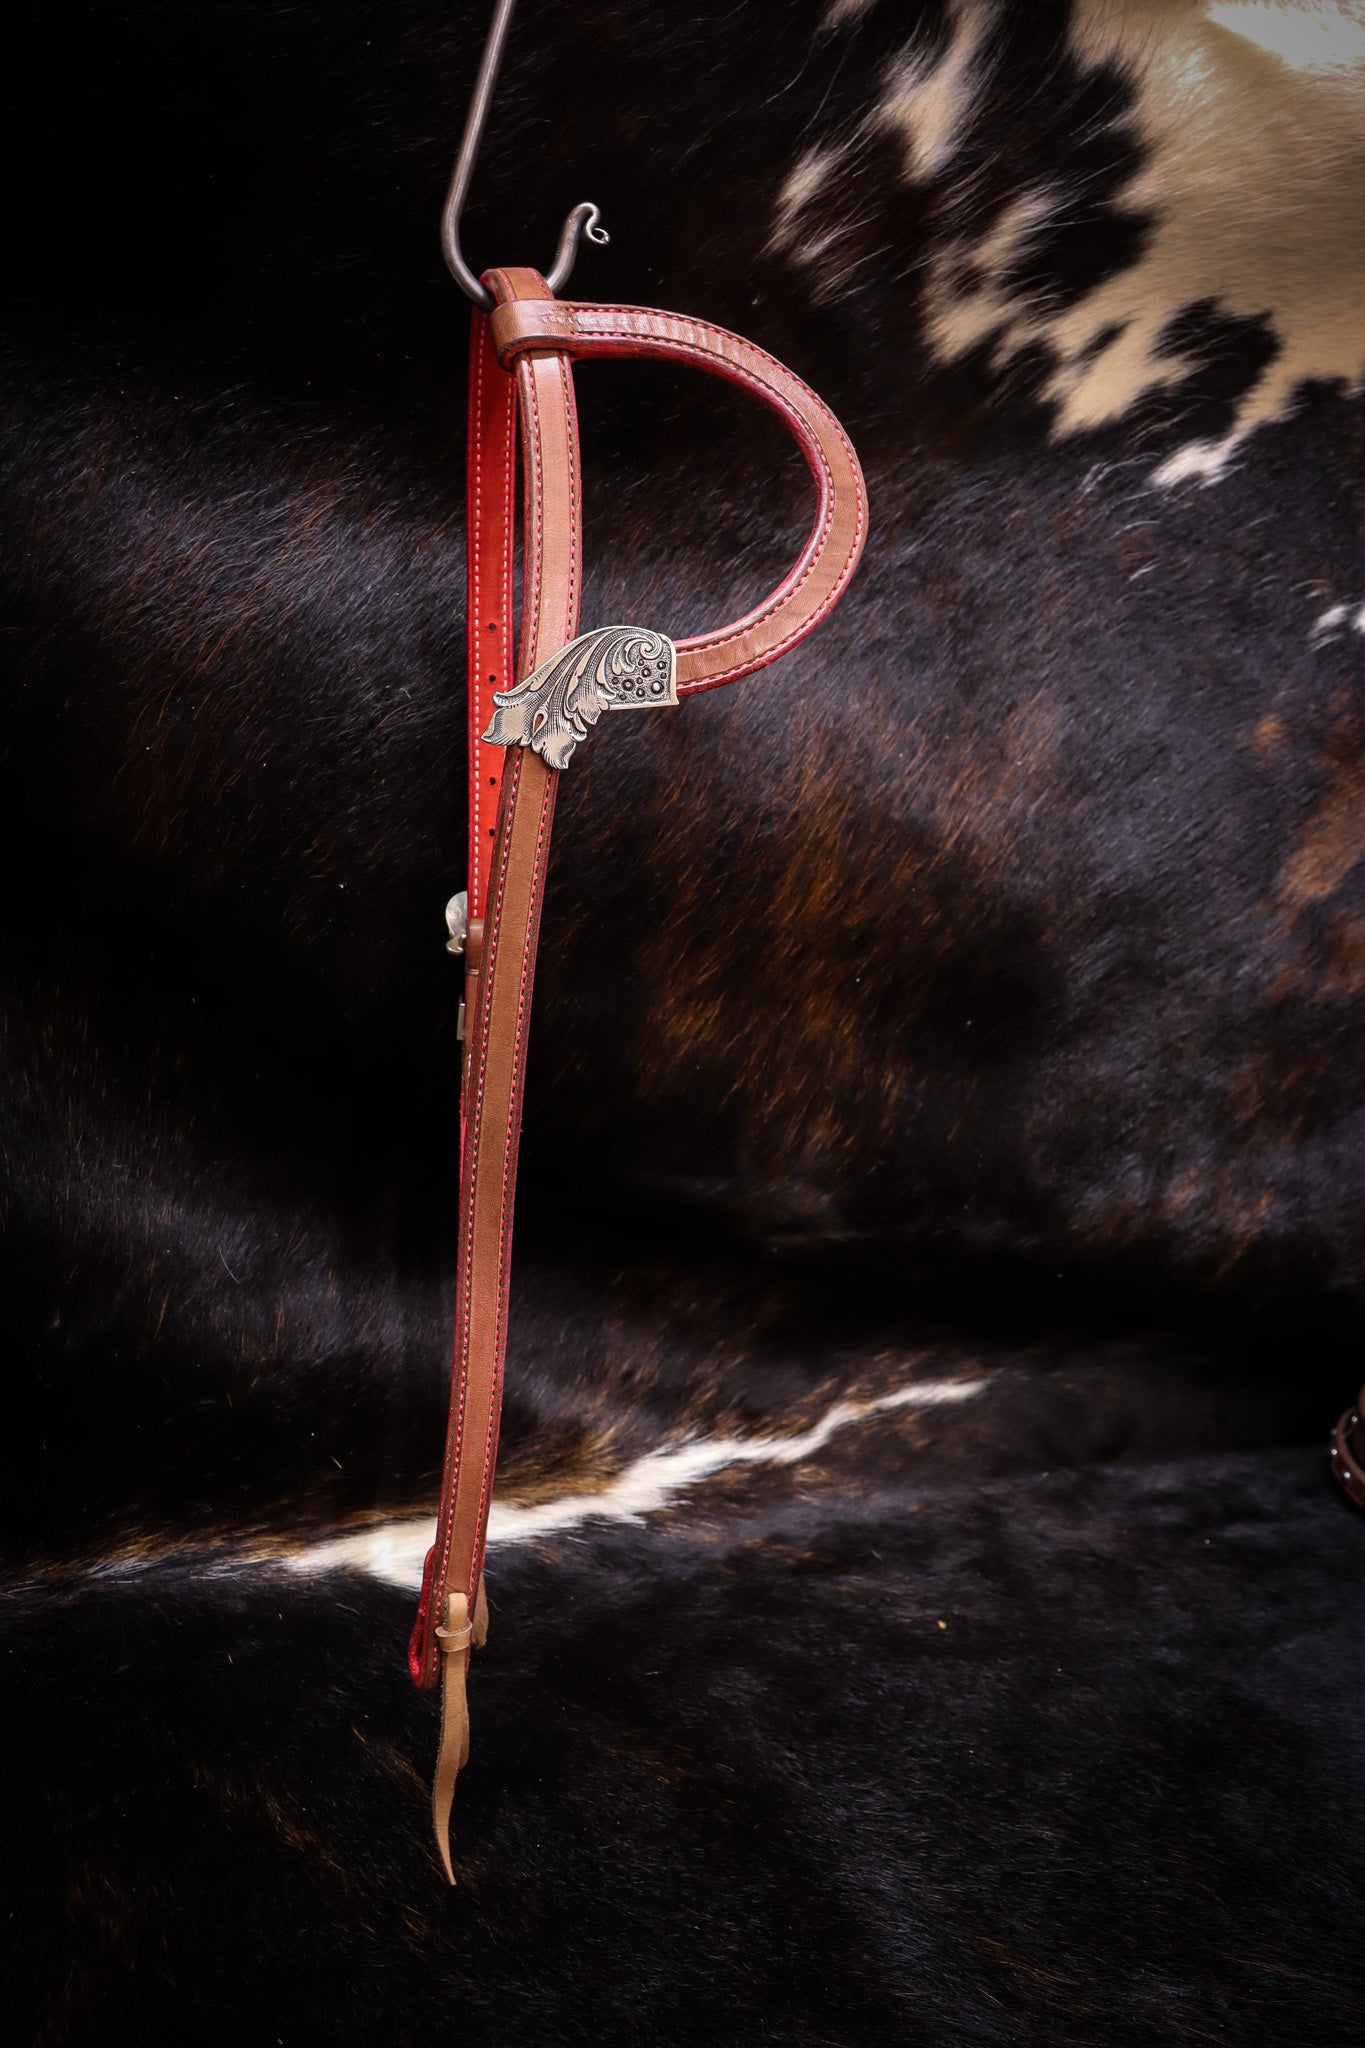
<point>696,501</point>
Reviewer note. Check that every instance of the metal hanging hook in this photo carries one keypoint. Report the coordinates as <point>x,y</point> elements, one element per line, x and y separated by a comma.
<point>583,220</point>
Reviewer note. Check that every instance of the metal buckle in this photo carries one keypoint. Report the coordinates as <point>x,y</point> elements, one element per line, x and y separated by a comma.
<point>457,921</point>
<point>457,924</point>
<point>613,668</point>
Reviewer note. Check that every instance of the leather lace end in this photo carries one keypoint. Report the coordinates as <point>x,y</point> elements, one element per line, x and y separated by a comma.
<point>460,1633</point>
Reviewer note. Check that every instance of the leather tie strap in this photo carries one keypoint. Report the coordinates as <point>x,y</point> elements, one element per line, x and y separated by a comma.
<point>521,734</point>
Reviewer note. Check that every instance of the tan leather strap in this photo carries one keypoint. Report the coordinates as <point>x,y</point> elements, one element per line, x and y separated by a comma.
<point>537,346</point>
<point>818,579</point>
<point>455,1639</point>
<point>498,997</point>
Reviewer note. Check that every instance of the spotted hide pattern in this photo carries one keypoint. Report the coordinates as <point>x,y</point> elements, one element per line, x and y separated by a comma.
<point>920,1612</point>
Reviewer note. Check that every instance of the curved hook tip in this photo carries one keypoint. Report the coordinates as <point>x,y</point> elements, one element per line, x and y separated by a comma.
<point>583,220</point>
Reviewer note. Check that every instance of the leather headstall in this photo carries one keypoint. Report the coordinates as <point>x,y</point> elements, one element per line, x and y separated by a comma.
<point>524,725</point>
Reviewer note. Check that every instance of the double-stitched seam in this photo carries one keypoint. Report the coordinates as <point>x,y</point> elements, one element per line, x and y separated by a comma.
<point>561,628</point>
<point>455,1440</point>
<point>509,1165</point>
<point>474,597</point>
<point>507,657</point>
<point>479,1076</point>
<point>640,324</point>
<point>532,558</point>
<point>460,1416</point>
<point>534,893</point>
<point>569,618</point>
<point>674,340</point>
<point>813,552</point>
<point>492,438</point>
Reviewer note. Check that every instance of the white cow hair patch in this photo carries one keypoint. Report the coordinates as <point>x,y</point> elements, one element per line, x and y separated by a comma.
<point>394,1551</point>
<point>1250,124</point>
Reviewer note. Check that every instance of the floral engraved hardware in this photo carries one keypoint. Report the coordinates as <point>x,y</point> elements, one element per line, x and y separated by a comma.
<point>615,668</point>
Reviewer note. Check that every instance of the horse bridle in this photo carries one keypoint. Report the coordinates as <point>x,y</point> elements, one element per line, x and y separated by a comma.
<point>524,725</point>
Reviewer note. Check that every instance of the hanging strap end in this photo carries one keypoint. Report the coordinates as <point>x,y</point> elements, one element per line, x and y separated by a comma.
<point>453,1750</point>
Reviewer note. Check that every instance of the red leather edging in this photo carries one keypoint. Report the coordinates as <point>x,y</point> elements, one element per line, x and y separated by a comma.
<point>490,505</point>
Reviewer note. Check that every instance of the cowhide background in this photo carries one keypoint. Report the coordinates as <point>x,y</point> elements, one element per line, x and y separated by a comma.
<point>921,1612</point>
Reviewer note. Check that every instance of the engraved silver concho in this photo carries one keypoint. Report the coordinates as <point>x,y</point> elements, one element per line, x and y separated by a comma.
<point>615,668</point>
